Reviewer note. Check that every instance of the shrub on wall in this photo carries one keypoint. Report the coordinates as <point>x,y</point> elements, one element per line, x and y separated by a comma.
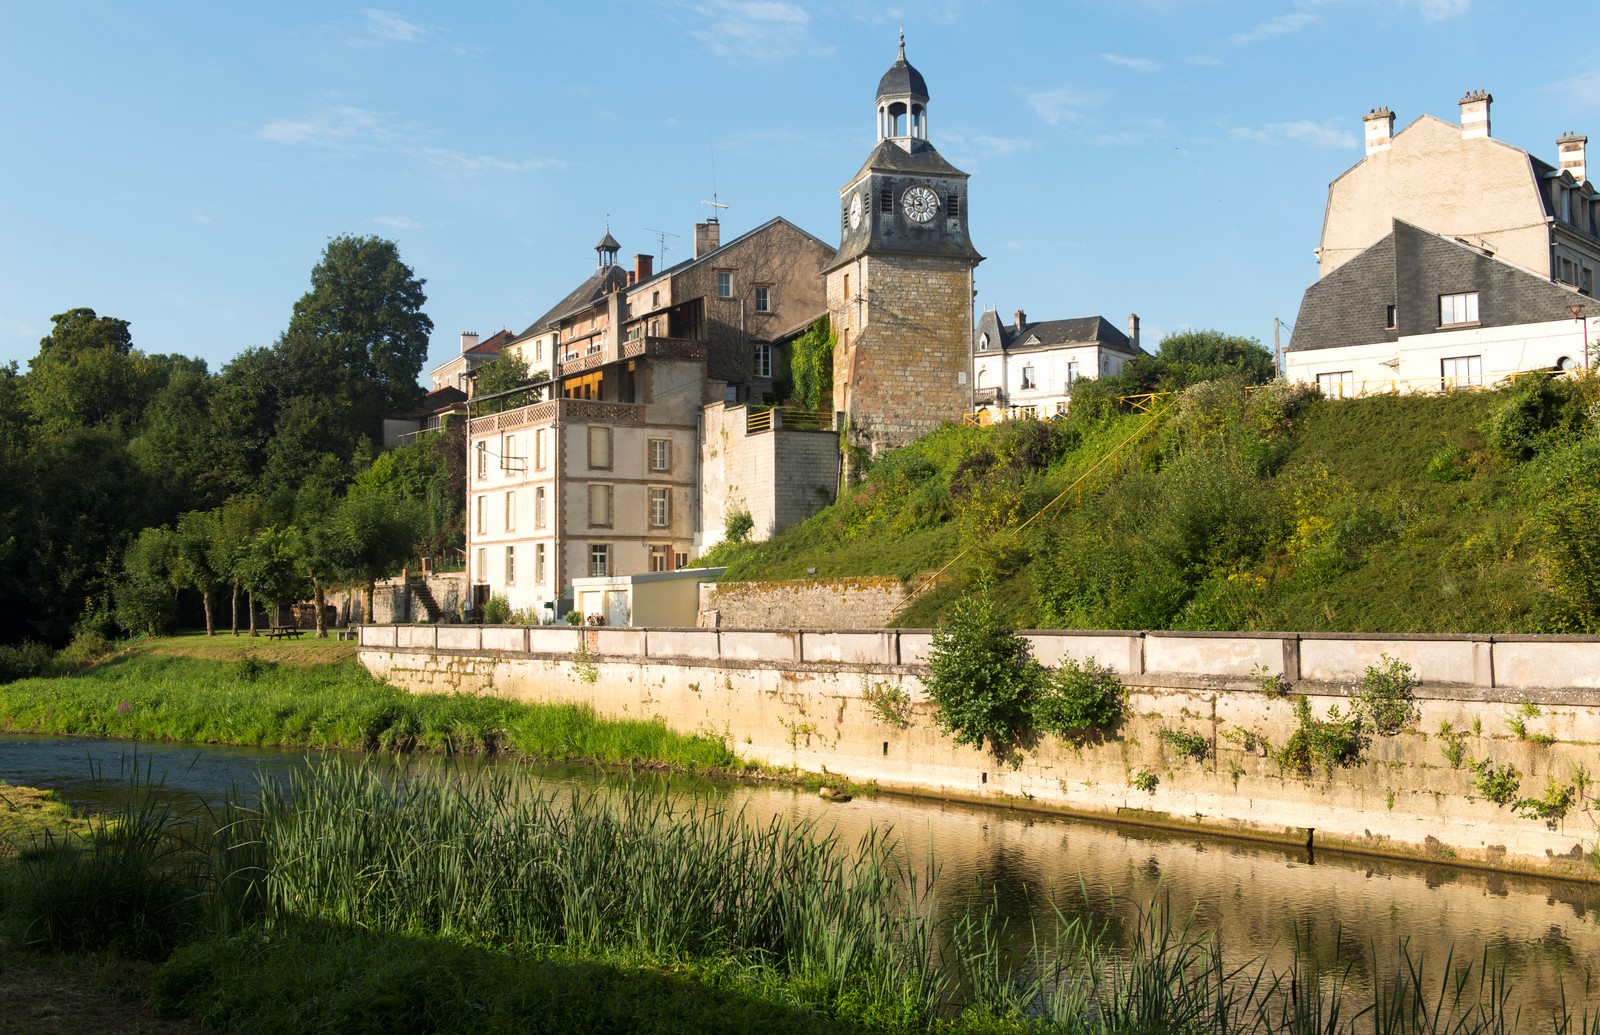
<point>1386,700</point>
<point>981,676</point>
<point>1078,698</point>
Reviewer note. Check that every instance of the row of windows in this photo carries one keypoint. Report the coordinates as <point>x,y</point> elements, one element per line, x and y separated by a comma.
<point>1458,308</point>
<point>1454,372</point>
<point>601,510</point>
<point>662,558</point>
<point>763,291</point>
<point>658,451</point>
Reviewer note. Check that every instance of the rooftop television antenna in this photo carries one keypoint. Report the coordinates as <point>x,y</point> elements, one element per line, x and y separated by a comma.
<point>716,207</point>
<point>662,235</point>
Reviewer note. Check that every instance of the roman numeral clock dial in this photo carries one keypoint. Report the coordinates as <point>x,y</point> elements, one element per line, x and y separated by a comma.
<point>920,204</point>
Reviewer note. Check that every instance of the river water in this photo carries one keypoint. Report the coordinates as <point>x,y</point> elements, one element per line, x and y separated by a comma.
<point>1349,913</point>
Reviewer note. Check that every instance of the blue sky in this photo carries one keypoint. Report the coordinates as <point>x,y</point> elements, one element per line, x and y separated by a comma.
<point>181,165</point>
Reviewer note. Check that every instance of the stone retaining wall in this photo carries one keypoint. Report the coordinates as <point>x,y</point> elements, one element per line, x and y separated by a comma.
<point>826,700</point>
<point>854,603</point>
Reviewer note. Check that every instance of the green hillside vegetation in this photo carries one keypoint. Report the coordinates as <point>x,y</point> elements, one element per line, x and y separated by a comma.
<point>1227,508</point>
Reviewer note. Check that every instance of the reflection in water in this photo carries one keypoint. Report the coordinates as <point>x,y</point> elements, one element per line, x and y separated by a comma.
<point>1260,900</point>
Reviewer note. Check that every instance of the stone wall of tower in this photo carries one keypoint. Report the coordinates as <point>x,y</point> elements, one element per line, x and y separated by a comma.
<point>905,347</point>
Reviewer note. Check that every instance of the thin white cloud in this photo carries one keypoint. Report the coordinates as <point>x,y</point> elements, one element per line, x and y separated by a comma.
<point>751,32</point>
<point>200,217</point>
<point>1443,10</point>
<point>1282,25</point>
<point>1581,90</point>
<point>341,125</point>
<point>1206,61</point>
<point>1142,132</point>
<point>343,129</point>
<point>1004,147</point>
<point>388,27</point>
<point>1331,133</point>
<point>1138,64</point>
<point>397,222</point>
<point>461,162</point>
<point>1060,104</point>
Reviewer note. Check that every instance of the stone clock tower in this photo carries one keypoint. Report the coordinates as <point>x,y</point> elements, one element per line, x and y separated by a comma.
<point>900,289</point>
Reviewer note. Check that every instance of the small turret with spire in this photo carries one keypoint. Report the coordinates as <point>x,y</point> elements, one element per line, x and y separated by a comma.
<point>608,248</point>
<point>902,102</point>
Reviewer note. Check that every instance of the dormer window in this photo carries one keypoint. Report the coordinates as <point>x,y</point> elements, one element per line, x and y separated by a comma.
<point>983,342</point>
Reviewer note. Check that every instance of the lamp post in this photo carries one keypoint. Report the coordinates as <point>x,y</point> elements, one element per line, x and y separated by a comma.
<point>1576,310</point>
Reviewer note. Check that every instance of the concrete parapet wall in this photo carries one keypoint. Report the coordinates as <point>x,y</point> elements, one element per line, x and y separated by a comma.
<point>818,699</point>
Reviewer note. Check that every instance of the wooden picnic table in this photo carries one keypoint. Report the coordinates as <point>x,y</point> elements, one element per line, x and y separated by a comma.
<point>277,631</point>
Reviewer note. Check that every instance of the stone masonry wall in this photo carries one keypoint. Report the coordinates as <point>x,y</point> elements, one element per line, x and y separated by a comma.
<point>903,367</point>
<point>856,603</point>
<point>852,703</point>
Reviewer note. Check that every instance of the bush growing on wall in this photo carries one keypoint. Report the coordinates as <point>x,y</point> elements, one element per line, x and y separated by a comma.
<point>1385,700</point>
<point>1078,698</point>
<point>982,676</point>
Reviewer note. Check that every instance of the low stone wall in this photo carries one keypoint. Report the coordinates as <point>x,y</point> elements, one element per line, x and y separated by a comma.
<point>856,603</point>
<point>825,700</point>
<point>403,599</point>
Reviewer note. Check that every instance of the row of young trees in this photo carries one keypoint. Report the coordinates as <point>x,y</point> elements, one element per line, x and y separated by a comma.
<point>134,475</point>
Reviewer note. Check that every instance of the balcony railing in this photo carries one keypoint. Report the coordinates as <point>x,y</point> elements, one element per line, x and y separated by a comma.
<point>758,419</point>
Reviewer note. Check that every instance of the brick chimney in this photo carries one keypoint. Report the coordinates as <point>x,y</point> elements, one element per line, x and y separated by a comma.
<point>1570,153</point>
<point>1133,330</point>
<point>644,267</point>
<point>469,339</point>
<point>1380,128</point>
<point>1475,114</point>
<point>707,237</point>
<point>1022,320</point>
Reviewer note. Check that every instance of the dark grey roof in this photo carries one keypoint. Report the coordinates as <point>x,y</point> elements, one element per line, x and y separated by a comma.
<point>607,243</point>
<point>1082,330</point>
<point>600,283</point>
<point>1409,269</point>
<point>922,159</point>
<point>902,79</point>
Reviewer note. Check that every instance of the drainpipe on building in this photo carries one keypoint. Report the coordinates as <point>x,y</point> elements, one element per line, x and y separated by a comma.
<point>696,532</point>
<point>558,560</point>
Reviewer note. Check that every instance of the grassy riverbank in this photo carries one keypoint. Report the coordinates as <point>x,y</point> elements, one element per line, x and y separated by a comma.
<point>313,694</point>
<point>353,901</point>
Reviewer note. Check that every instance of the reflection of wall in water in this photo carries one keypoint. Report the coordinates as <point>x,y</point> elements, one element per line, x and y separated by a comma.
<point>1256,897</point>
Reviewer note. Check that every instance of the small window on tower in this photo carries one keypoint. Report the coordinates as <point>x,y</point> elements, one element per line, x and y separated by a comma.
<point>952,205</point>
<point>1388,317</point>
<point>886,199</point>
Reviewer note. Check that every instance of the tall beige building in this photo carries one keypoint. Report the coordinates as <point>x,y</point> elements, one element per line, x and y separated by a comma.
<point>1458,181</point>
<point>900,288</point>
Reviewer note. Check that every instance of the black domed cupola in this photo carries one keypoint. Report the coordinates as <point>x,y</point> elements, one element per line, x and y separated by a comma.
<point>902,102</point>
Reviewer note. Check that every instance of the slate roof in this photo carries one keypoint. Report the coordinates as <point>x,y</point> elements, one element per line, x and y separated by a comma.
<point>600,283</point>
<point>491,345</point>
<point>1082,330</point>
<point>1409,269</point>
<point>902,79</point>
<point>922,159</point>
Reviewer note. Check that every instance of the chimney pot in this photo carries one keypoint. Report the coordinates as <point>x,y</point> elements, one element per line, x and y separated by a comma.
<point>1570,153</point>
<point>1380,129</point>
<point>469,339</point>
<point>1475,114</point>
<point>1022,320</point>
<point>643,266</point>
<point>1133,329</point>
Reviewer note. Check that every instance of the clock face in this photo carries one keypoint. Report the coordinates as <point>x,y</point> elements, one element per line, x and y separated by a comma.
<point>855,211</point>
<point>920,204</point>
